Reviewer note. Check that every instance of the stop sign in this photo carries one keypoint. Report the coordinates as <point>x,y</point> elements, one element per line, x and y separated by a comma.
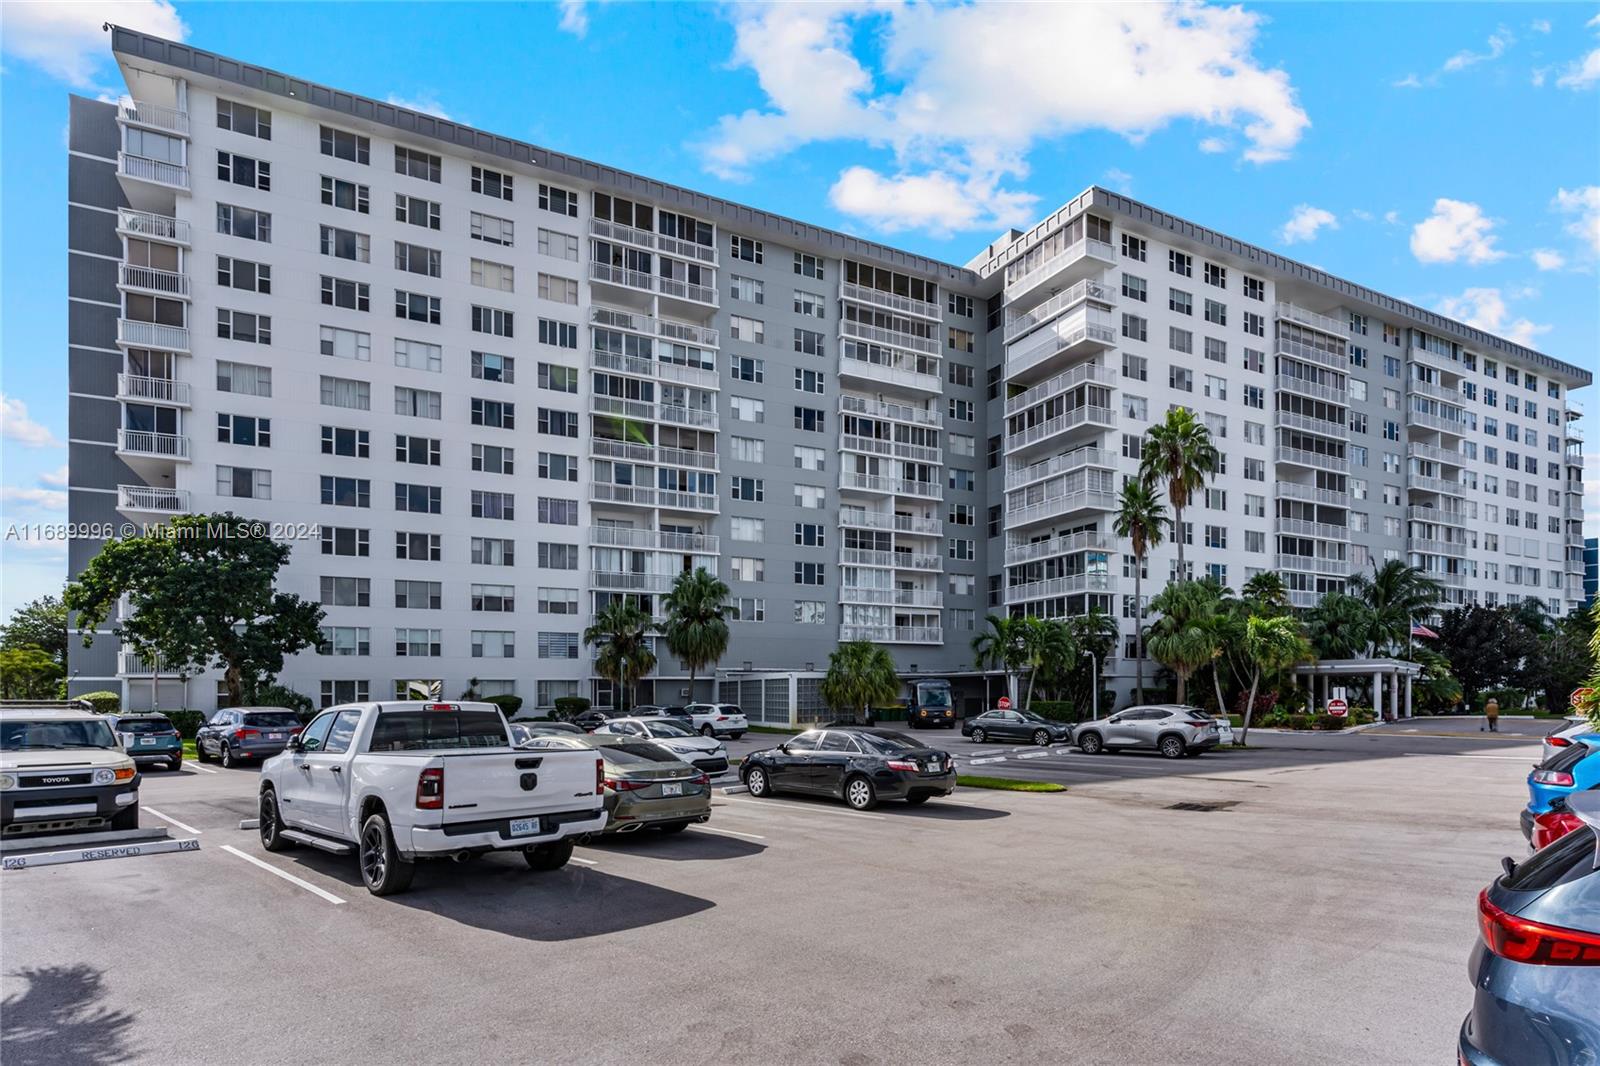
<point>1005,703</point>
<point>1338,708</point>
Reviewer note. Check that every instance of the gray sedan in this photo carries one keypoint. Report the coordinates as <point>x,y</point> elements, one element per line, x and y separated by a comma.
<point>1170,728</point>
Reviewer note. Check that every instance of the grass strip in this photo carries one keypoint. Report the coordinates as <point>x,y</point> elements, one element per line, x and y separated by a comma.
<point>1006,784</point>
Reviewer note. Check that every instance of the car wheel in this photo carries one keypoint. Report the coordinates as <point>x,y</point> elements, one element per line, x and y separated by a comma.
<point>756,782</point>
<point>199,751</point>
<point>272,837</point>
<point>126,819</point>
<point>1172,747</point>
<point>382,868</point>
<point>227,757</point>
<point>547,857</point>
<point>918,800</point>
<point>859,794</point>
<point>175,763</point>
<point>978,736</point>
<point>1041,738</point>
<point>735,736</point>
<point>675,827</point>
<point>707,731</point>
<point>1090,744</point>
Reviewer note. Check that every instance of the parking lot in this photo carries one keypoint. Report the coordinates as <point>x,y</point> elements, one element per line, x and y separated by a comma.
<point>1318,909</point>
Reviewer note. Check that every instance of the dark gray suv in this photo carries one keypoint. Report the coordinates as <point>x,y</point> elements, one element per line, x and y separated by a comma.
<point>237,734</point>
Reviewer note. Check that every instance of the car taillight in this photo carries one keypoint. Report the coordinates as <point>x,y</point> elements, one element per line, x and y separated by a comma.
<point>1552,826</point>
<point>1536,943</point>
<point>618,784</point>
<point>240,734</point>
<point>430,789</point>
<point>901,764</point>
<point>722,718</point>
<point>1558,742</point>
<point>1552,777</point>
<point>703,779</point>
<point>1198,724</point>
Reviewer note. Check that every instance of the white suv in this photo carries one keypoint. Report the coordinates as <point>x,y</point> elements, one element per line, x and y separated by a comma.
<point>717,719</point>
<point>62,769</point>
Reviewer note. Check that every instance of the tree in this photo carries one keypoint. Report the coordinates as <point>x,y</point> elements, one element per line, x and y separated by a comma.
<point>1341,627</point>
<point>1000,647</point>
<point>1271,645</point>
<point>696,630</point>
<point>40,623</point>
<point>1141,519</point>
<point>202,590</point>
<point>1560,660</point>
<point>1486,646</point>
<point>1184,638</point>
<point>1178,453</point>
<point>29,673</point>
<point>621,634</point>
<point>860,676</point>
<point>1397,595</point>
<point>1266,594</point>
<point>1049,647</point>
<point>1095,632</point>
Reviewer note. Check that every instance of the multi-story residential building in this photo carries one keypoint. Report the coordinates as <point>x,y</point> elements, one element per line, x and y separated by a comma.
<point>504,386</point>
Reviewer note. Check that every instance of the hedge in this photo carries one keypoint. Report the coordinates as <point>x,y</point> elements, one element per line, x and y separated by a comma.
<point>103,702</point>
<point>1055,710</point>
<point>509,704</point>
<point>569,707</point>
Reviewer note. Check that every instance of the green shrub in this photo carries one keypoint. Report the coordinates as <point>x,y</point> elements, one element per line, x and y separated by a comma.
<point>569,707</point>
<point>282,696</point>
<point>187,722</point>
<point>1362,716</point>
<point>509,705</point>
<point>1056,710</point>
<point>103,702</point>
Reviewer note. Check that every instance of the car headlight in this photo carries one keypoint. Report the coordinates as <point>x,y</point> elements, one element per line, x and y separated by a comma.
<point>104,777</point>
<point>7,781</point>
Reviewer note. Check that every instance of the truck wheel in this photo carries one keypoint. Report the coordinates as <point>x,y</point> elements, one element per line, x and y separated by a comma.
<point>126,819</point>
<point>200,752</point>
<point>382,868</point>
<point>227,756</point>
<point>707,731</point>
<point>545,857</point>
<point>272,823</point>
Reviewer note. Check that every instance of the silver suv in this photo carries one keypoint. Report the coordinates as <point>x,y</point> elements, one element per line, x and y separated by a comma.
<point>1170,728</point>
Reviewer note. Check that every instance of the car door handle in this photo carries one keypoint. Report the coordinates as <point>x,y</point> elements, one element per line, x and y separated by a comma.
<point>337,769</point>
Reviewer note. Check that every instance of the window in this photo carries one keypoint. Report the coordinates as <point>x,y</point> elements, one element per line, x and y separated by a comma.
<point>414,163</point>
<point>346,244</point>
<point>345,640</point>
<point>558,556</point>
<point>553,376</point>
<point>1180,340</point>
<point>346,195</point>
<point>1180,378</point>
<point>1216,350</point>
<point>493,183</point>
<point>242,118</point>
<point>1180,301</point>
<point>749,450</point>
<point>417,643</point>
<point>1255,433</point>
<point>1134,327</point>
<point>346,592</point>
<point>416,307</point>
<point>346,492</point>
<point>243,274</point>
<point>1216,275</point>
<point>811,419</point>
<point>1216,388</point>
<point>808,266</point>
<point>746,409</point>
<point>487,366</point>
<point>417,403</point>
<point>961,479</point>
<point>809,342</point>
<point>1255,396</point>
<point>1134,288</point>
<point>244,482</point>
<point>343,540</point>
<point>810,497</point>
<point>958,304</point>
<point>1255,470</point>
<point>421,451</point>
<point>746,329</point>
<point>239,326</point>
<point>558,334</point>
<point>1132,446</point>
<point>246,379</point>
<point>494,321</point>
<point>747,529</point>
<point>749,290</point>
<point>497,459</point>
<point>344,145</point>
<point>960,548</point>
<point>244,222</point>
<point>558,512</point>
<point>414,211</point>
<point>1216,313</point>
<point>416,259</point>
<point>417,499</point>
<point>1135,407</point>
<point>810,534</point>
<point>747,609</point>
<point>814,381</point>
<point>558,423</point>
<point>340,292</point>
<point>1255,324</point>
<point>557,200</point>
<point>558,289</point>
<point>345,392</point>
<point>494,551</point>
<point>247,430</point>
<point>502,506</point>
<point>810,573</point>
<point>744,248</point>
<point>1136,367</point>
<point>418,355</point>
<point>745,568</point>
<point>1254,288</point>
<point>493,644</point>
<point>1180,263</point>
<point>810,304</point>
<point>1216,536</point>
<point>242,170</point>
<point>961,374</point>
<point>810,612</point>
<point>1133,247</point>
<point>745,368</point>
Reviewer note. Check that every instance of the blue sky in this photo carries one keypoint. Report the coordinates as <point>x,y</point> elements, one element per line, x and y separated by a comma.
<point>1448,154</point>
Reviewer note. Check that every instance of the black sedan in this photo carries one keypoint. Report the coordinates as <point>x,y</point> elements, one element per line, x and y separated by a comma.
<point>859,766</point>
<point>1015,725</point>
<point>591,720</point>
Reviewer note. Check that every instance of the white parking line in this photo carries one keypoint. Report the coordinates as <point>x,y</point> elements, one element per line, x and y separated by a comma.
<point>586,862</point>
<point>992,758</point>
<point>1036,755</point>
<point>775,808</point>
<point>172,821</point>
<point>1458,755</point>
<point>291,878</point>
<point>200,769</point>
<point>729,832</point>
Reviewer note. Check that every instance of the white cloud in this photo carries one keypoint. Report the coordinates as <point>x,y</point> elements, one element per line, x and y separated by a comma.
<point>16,425</point>
<point>1486,309</point>
<point>55,479</point>
<point>975,87</point>
<point>1304,223</point>
<point>937,202</point>
<point>1539,25</point>
<point>1500,40</point>
<point>1213,145</point>
<point>1548,259</point>
<point>574,17</point>
<point>1410,81</point>
<point>1583,202</point>
<point>1539,76</point>
<point>1581,73</point>
<point>67,40</point>
<point>1119,180</point>
<point>1456,230</point>
<point>1361,214</point>
<point>44,499</point>
<point>427,103</point>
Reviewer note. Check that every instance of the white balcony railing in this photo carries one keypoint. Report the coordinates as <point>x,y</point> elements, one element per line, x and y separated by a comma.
<point>1291,383</point>
<point>1019,473</point>
<point>1085,329</point>
<point>922,490</point>
<point>1307,564</point>
<point>925,561</point>
<point>145,442</point>
<point>1097,417</point>
<point>896,412</point>
<point>686,290</point>
<point>132,664</point>
<point>919,453</point>
<point>1418,387</point>
<point>1298,527</point>
<point>1086,251</point>
<point>1310,424</point>
<point>892,597</point>
<point>705,253</point>
<point>701,336</point>
<point>1431,546</point>
<point>630,582</point>
<point>894,338</point>
<point>1318,460</point>
<point>155,116</point>
<point>865,294</point>
<point>615,275</point>
<point>1295,491</point>
<point>152,226</point>
<point>152,499</point>
<point>903,373</point>
<point>699,417</point>
<point>653,539</point>
<point>1083,374</point>
<point>615,231</point>
<point>606,448</point>
<point>1088,540</point>
<point>149,279</point>
<point>1053,507</point>
<point>1324,323</point>
<point>1307,353</point>
<point>1060,303</point>
<point>644,366</point>
<point>1443,516</point>
<point>1448,456</point>
<point>1060,586</point>
<point>161,390</point>
<point>913,525</point>
<point>155,171</point>
<point>892,634</point>
<point>135,334</point>
<point>1453,426</point>
<point>1444,486</point>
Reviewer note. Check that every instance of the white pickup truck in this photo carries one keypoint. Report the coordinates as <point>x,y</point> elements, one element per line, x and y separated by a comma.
<point>402,781</point>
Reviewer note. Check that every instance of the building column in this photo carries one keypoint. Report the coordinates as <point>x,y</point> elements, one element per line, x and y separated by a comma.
<point>1377,695</point>
<point>1394,697</point>
<point>794,700</point>
<point>1408,695</point>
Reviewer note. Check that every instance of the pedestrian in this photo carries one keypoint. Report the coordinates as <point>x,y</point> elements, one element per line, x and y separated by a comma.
<point>1491,715</point>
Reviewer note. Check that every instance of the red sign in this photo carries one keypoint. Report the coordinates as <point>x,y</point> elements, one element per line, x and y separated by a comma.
<point>1005,703</point>
<point>1338,708</point>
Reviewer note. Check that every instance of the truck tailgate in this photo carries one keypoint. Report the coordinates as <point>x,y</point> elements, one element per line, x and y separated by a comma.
<point>518,784</point>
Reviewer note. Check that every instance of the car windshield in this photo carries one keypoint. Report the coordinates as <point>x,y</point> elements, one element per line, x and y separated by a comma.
<point>272,720</point>
<point>144,725</point>
<point>1029,716</point>
<point>636,755</point>
<point>728,708</point>
<point>434,730</point>
<point>667,729</point>
<point>934,696</point>
<point>886,743</point>
<point>49,733</point>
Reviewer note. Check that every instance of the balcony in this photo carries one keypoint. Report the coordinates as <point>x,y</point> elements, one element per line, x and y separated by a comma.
<point>1315,460</point>
<point>932,598</point>
<point>1054,508</point>
<point>1448,578</point>
<point>1082,259</point>
<point>151,226</point>
<point>650,455</point>
<point>1296,527</point>
<point>653,540</point>
<point>132,664</point>
<point>1302,387</point>
<point>895,412</point>
<point>1289,312</point>
<point>1441,516</point>
<point>154,171</point>
<point>143,442</point>
<point>865,294</point>
<point>615,581</point>
<point>917,453</point>
<point>892,634</point>
<point>892,338</point>
<point>1291,490</point>
<point>679,289</point>
<point>1452,426</point>
<point>1060,586</point>
<point>1095,418</point>
<point>1574,432</point>
<point>655,370</point>
<point>637,280</point>
<point>1306,564</point>
<point>1083,374</point>
<point>153,116</point>
<point>1019,474</point>
<point>927,562</point>
<point>1443,486</point>
<point>911,525</point>
<point>1433,359</point>
<point>132,333</point>
<point>1574,540</point>
<point>687,333</point>
<point>902,373</point>
<point>622,318</point>
<point>697,502</point>
<point>698,417</point>
<point>146,499</point>
<point>1082,332</point>
<point>158,390</point>
<point>1060,303</point>
<point>1308,354</point>
<point>1433,453</point>
<point>1430,546</point>
<point>149,279</point>
<point>1418,387</point>
<point>646,496</point>
<point>1304,598</point>
<point>1089,540</point>
<point>615,231</point>
<point>1310,424</point>
<point>704,253</point>
<point>851,481</point>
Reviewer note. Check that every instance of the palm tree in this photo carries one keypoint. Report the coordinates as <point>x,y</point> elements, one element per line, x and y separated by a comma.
<point>860,676</point>
<point>1141,519</point>
<point>1000,646</point>
<point>621,631</point>
<point>1178,453</point>
<point>1271,645</point>
<point>1184,638</point>
<point>1397,594</point>
<point>696,629</point>
<point>1051,649</point>
<point>1341,627</point>
<point>1266,593</point>
<point>1095,632</point>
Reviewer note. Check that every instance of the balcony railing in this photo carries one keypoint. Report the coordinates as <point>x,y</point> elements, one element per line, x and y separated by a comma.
<point>615,275</point>
<point>1318,460</point>
<point>897,449</point>
<point>656,370</point>
<point>1061,302</point>
<point>1099,417</point>
<point>1325,323</point>
<point>1086,329</point>
<point>621,318</point>
<point>132,664</point>
<point>699,417</point>
<point>653,540</point>
<point>926,561</point>
<point>145,442</point>
<point>922,490</point>
<point>1296,527</point>
<point>892,634</point>
<point>897,412</point>
<point>685,290</point>
<point>156,116</point>
<point>649,454</point>
<point>1453,426</point>
<point>132,333</point>
<point>1448,456</point>
<point>1060,586</point>
<point>161,390</point>
<point>705,253</point>
<point>1307,353</point>
<point>1430,546</point>
<point>1418,387</point>
<point>1291,383</point>
<point>1443,516</point>
<point>1295,491</point>
<point>866,294</point>
<point>149,279</point>
<point>701,336</point>
<point>1306,564</point>
<point>1445,486</point>
<point>1060,506</point>
<point>1019,473</point>
<point>892,597</point>
<point>630,582</point>
<point>1310,424</point>
<point>156,171</point>
<point>913,525</point>
<point>1086,251</point>
<point>152,499</point>
<point>152,226</point>
<point>894,338</point>
<point>903,373</point>
<point>1088,540</point>
<point>1083,374</point>
<point>615,231</point>
<point>673,500</point>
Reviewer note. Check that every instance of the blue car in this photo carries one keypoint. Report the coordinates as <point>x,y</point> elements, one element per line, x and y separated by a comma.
<point>1570,769</point>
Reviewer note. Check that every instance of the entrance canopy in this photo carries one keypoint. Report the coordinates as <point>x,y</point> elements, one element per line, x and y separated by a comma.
<point>1321,676</point>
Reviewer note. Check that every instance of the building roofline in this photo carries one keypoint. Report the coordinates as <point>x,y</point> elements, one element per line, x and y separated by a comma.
<point>138,46</point>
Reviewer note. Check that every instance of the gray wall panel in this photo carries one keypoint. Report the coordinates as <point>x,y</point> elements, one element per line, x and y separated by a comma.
<point>93,182</point>
<point>93,372</point>
<point>92,325</point>
<point>98,467</point>
<point>91,278</point>
<point>93,127</point>
<point>89,230</point>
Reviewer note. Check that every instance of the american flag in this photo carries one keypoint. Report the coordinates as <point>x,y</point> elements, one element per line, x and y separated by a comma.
<point>1418,630</point>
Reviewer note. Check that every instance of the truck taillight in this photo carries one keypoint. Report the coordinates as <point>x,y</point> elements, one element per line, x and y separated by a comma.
<point>599,776</point>
<point>430,789</point>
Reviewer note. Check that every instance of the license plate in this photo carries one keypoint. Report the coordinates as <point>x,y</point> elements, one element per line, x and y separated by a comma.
<point>933,767</point>
<point>147,740</point>
<point>672,790</point>
<point>521,827</point>
<point>274,736</point>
